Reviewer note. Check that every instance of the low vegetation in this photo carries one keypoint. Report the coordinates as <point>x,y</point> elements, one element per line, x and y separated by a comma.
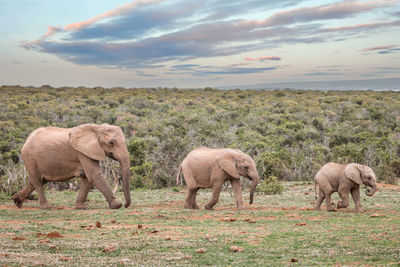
<point>289,133</point>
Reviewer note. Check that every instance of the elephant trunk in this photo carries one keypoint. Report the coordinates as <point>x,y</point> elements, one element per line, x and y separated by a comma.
<point>125,173</point>
<point>253,188</point>
<point>371,192</point>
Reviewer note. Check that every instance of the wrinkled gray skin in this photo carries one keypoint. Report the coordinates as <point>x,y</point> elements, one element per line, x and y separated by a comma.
<point>210,168</point>
<point>58,154</point>
<point>344,179</point>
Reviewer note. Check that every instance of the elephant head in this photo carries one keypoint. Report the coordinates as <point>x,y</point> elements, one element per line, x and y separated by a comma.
<point>236,164</point>
<point>362,174</point>
<point>99,141</point>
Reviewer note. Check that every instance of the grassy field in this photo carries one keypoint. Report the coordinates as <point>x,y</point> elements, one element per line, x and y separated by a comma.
<point>157,231</point>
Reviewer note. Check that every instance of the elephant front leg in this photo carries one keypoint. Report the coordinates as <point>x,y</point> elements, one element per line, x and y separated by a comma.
<point>355,194</point>
<point>82,195</point>
<point>216,190</point>
<point>237,192</point>
<point>92,170</point>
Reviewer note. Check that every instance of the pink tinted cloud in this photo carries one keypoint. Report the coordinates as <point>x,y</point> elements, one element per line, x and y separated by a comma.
<point>121,10</point>
<point>365,26</point>
<point>328,11</point>
<point>263,58</point>
<point>51,30</point>
<point>383,47</point>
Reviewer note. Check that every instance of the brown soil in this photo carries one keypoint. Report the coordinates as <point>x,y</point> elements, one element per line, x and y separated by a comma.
<point>388,186</point>
<point>3,207</point>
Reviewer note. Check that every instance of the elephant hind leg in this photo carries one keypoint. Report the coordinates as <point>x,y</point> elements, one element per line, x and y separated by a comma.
<point>37,181</point>
<point>194,205</point>
<point>190,201</point>
<point>344,196</point>
<point>82,195</point>
<point>20,197</point>
<point>318,202</point>
<point>192,188</point>
<point>327,190</point>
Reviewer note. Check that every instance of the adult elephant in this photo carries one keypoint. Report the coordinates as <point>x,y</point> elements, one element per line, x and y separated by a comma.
<point>58,154</point>
<point>210,168</point>
<point>344,179</point>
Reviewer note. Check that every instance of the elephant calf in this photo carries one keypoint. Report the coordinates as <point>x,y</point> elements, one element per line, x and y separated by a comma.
<point>344,179</point>
<point>210,168</point>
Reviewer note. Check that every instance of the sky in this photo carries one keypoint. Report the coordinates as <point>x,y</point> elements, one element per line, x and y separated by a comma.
<point>196,44</point>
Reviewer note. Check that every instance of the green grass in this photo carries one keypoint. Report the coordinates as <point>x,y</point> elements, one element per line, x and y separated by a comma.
<point>158,231</point>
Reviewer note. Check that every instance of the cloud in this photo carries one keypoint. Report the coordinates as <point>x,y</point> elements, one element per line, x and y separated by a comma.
<point>336,10</point>
<point>198,70</point>
<point>262,59</point>
<point>121,10</point>
<point>320,73</point>
<point>151,33</point>
<point>383,47</point>
<point>389,51</point>
<point>224,71</point>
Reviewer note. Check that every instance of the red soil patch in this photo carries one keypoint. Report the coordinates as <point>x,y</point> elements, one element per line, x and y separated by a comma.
<point>18,238</point>
<point>54,235</point>
<point>16,208</point>
<point>290,208</point>
<point>389,186</point>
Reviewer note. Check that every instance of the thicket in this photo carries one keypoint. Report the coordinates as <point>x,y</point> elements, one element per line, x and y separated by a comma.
<point>289,133</point>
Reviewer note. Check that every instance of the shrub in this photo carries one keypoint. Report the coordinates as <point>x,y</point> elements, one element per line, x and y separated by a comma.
<point>270,186</point>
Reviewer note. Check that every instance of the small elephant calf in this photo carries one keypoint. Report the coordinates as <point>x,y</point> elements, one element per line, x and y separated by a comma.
<point>344,179</point>
<point>210,168</point>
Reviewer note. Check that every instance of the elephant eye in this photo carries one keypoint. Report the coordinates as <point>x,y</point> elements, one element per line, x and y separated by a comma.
<point>111,143</point>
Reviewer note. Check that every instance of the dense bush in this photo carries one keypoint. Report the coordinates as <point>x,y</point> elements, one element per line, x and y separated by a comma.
<point>289,133</point>
<point>270,186</point>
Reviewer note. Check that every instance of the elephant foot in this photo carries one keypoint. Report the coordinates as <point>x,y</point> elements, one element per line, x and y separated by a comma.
<point>317,208</point>
<point>114,204</point>
<point>45,206</point>
<point>186,206</point>
<point>207,207</point>
<point>331,210</point>
<point>195,207</point>
<point>18,202</point>
<point>81,206</point>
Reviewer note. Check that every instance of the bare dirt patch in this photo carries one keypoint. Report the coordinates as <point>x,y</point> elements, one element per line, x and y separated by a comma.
<point>389,186</point>
<point>4,207</point>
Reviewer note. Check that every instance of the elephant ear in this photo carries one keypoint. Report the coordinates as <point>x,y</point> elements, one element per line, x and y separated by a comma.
<point>85,140</point>
<point>228,163</point>
<point>353,172</point>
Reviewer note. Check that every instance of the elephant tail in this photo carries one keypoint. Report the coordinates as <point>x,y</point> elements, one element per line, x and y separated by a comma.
<point>178,176</point>
<point>315,189</point>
